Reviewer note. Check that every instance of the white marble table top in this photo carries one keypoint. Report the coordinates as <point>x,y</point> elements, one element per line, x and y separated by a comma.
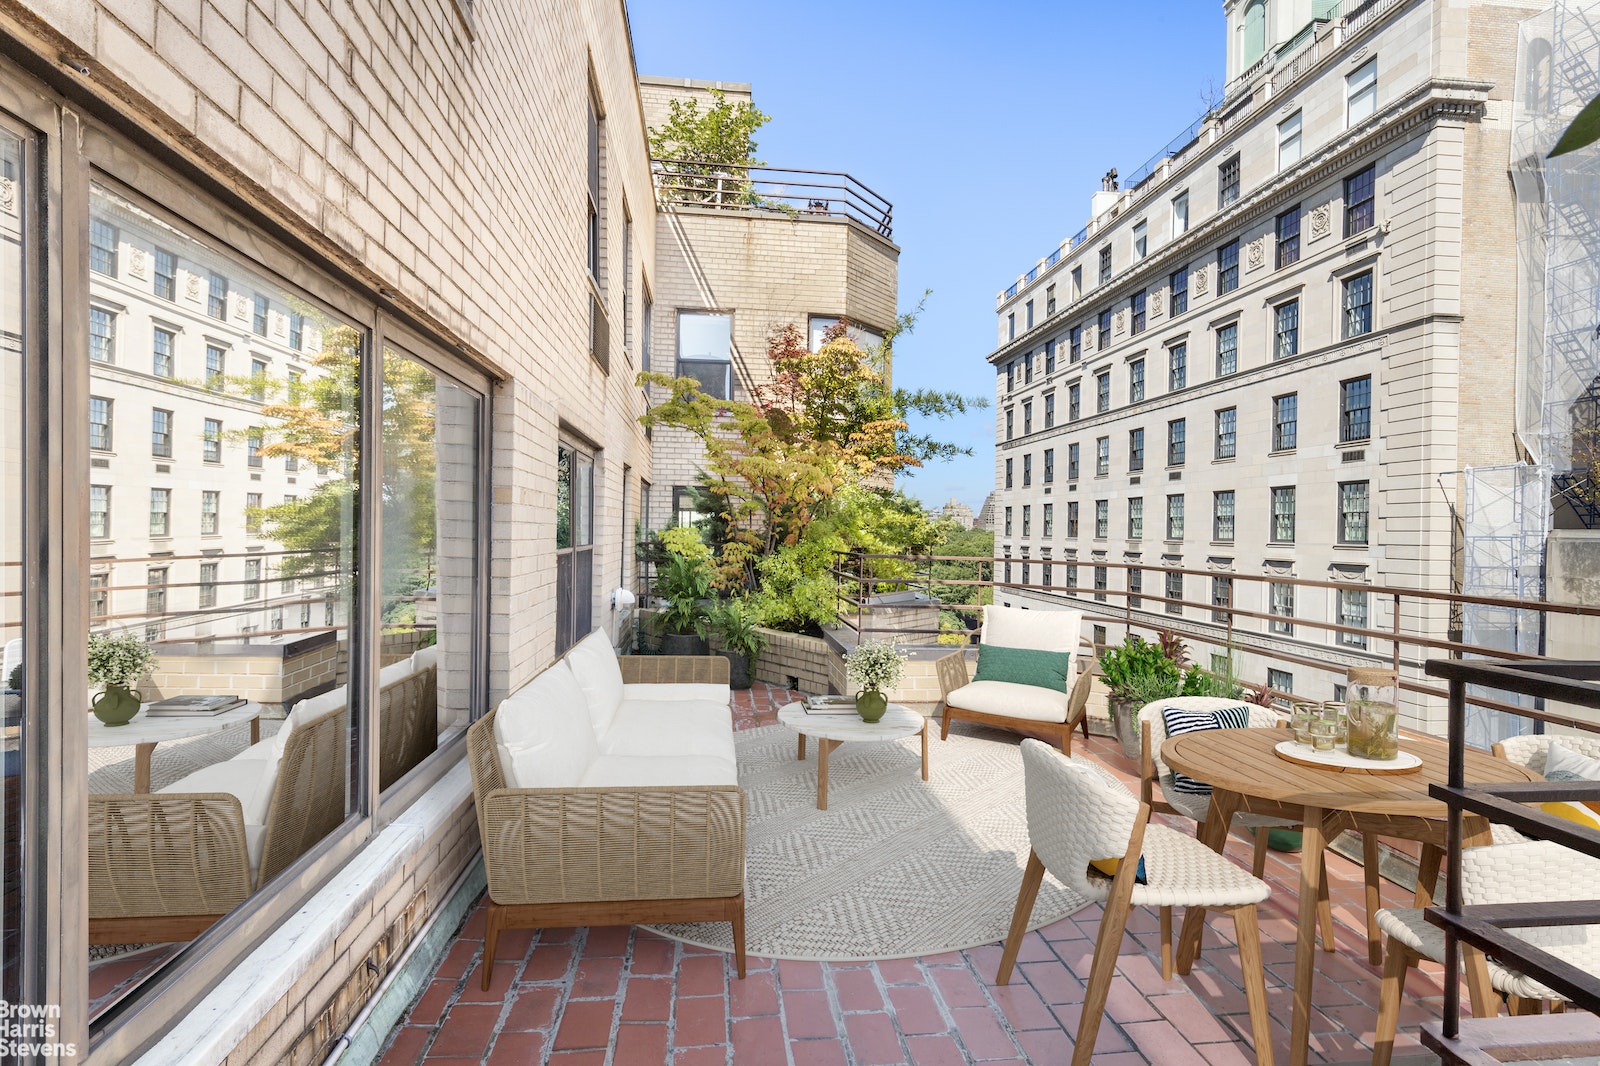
<point>897,722</point>
<point>146,730</point>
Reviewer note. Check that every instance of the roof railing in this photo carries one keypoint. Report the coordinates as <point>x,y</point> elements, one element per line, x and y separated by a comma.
<point>783,190</point>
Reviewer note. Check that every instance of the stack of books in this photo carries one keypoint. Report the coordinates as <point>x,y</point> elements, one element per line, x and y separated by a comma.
<point>831,705</point>
<point>192,706</point>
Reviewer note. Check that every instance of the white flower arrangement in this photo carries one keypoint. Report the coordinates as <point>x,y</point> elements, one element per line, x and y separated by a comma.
<point>119,660</point>
<point>875,665</point>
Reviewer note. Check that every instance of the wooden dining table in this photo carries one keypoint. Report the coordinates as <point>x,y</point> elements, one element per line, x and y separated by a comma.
<point>1247,776</point>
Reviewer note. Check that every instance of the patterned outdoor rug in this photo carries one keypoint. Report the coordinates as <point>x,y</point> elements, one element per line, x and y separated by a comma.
<point>896,866</point>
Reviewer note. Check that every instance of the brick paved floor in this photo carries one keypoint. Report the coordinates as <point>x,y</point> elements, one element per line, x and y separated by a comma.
<point>624,997</point>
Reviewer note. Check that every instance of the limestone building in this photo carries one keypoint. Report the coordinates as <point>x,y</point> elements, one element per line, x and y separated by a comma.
<point>1273,347</point>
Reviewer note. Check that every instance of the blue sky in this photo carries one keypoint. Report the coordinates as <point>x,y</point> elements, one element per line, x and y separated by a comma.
<point>987,127</point>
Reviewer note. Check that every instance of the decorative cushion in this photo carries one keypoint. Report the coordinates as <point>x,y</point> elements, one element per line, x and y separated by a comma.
<point>1585,814</point>
<point>1109,867</point>
<point>1179,722</point>
<point>1024,666</point>
<point>542,733</point>
<point>1011,701</point>
<point>1013,627</point>
<point>1564,764</point>
<point>594,664</point>
<point>669,729</point>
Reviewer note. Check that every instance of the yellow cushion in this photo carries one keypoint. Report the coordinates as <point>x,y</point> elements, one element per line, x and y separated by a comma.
<point>1585,814</point>
<point>1109,867</point>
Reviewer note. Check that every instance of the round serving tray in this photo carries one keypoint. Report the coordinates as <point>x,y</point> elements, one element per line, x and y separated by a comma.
<point>1345,763</point>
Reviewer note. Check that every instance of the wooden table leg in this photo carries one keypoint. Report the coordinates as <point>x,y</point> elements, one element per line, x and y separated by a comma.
<point>924,749</point>
<point>1312,843</point>
<point>1213,833</point>
<point>1369,863</point>
<point>1485,1000</point>
<point>1428,864</point>
<point>255,730</point>
<point>823,748</point>
<point>802,755</point>
<point>141,765</point>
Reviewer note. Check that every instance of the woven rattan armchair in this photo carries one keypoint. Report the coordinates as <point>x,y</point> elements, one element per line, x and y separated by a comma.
<point>408,724</point>
<point>164,866</point>
<point>610,856</point>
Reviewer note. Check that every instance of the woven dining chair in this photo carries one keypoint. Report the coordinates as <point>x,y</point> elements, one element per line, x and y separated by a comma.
<point>1530,871</point>
<point>1078,813</point>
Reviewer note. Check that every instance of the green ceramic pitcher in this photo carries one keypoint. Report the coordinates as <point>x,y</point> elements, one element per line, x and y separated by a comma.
<point>116,705</point>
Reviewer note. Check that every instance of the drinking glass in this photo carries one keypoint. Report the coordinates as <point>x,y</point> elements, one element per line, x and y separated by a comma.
<point>1324,734</point>
<point>1335,711</point>
<point>1300,719</point>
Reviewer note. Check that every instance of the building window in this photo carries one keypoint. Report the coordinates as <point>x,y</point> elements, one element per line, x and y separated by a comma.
<point>102,335</point>
<point>1352,606</point>
<point>1072,462</point>
<point>216,368</point>
<point>1011,374</point>
<point>1135,450</point>
<point>155,603</point>
<point>1011,422</point>
<point>1049,308</point>
<point>1077,282</point>
<point>1136,518</point>
<point>1175,517</point>
<point>211,441</point>
<point>297,331</point>
<point>1361,92</point>
<point>1101,582</point>
<point>1102,392</point>
<point>1360,201</point>
<point>1285,422</point>
<point>161,433</point>
<point>1227,349</point>
<point>1180,214</point>
<point>1177,367</point>
<point>258,379</point>
<point>1355,409</point>
<point>99,599</point>
<point>1029,311</point>
<point>1281,609</point>
<point>102,247</point>
<point>1288,249</point>
<point>1074,403</point>
<point>1221,598</point>
<point>1027,471</point>
<point>647,325</point>
<point>210,510</point>
<point>1136,309</point>
<point>1011,326</point>
<point>1283,515</point>
<point>1027,522</point>
<point>1352,512</point>
<point>1178,301</point>
<point>1104,339</point>
<point>1102,457</point>
<point>252,579</point>
<point>1105,264</point>
<point>1069,575</point>
<point>1141,234</point>
<point>1074,344</point>
<point>1227,444</point>
<point>100,423</point>
<point>1135,586</point>
<point>166,272</point>
<point>1174,592</point>
<point>1289,141</point>
<point>1049,357</point>
<point>1280,680</point>
<point>705,351</point>
<point>1072,519</point>
<point>258,318</point>
<point>99,512</point>
<point>1050,410</point>
<point>1358,305</point>
<point>1010,464</point>
<point>1227,268</point>
<point>160,512</point>
<point>252,446</point>
<point>217,297</point>
<point>1102,518</point>
<point>1049,465</point>
<point>1222,515</point>
<point>1286,329</point>
<point>1176,441</point>
<point>1049,530</point>
<point>252,513</point>
<point>1027,419</point>
<point>1227,182</point>
<point>161,344</point>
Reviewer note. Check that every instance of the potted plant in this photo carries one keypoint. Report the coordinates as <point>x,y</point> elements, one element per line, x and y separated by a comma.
<point>737,623</point>
<point>683,584</point>
<point>874,666</point>
<point>1136,673</point>
<point>115,663</point>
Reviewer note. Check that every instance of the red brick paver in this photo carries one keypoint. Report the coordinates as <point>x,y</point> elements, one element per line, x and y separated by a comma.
<point>626,997</point>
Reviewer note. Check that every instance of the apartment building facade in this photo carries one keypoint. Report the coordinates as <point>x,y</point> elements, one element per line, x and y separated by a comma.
<point>1271,351</point>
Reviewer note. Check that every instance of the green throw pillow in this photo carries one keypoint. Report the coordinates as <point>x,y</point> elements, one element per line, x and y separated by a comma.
<point>1024,666</point>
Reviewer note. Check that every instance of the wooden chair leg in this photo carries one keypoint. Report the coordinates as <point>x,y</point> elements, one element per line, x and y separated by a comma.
<point>491,939</point>
<point>1485,1000</point>
<point>1066,739</point>
<point>1166,943</point>
<point>1258,864</point>
<point>1083,720</point>
<point>1248,932</point>
<point>1369,862</point>
<point>1518,1007</point>
<point>944,725</point>
<point>1400,959</point>
<point>1112,924</point>
<point>1032,877</point>
<point>737,921</point>
<point>1324,908</point>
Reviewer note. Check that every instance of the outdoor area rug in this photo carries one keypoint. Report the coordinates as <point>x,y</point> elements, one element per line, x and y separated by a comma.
<point>896,866</point>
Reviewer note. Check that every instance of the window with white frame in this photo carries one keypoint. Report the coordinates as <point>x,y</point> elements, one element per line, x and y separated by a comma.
<point>100,408</point>
<point>1358,305</point>
<point>1177,441</point>
<point>1280,680</point>
<point>1027,470</point>
<point>1136,381</point>
<point>1178,298</point>
<point>1102,518</point>
<point>1136,313</point>
<point>1101,583</point>
<point>1353,512</point>
<point>103,240</point>
<point>1141,239</point>
<point>1361,92</point>
<point>1102,456</point>
<point>102,335</point>
<point>160,512</point>
<point>1049,529</point>
<point>1285,422</point>
<point>1281,609</point>
<point>1283,514</point>
<point>160,433</point>
<point>1222,515</point>
<point>1135,450</point>
<point>1227,443</point>
<point>1227,349</point>
<point>1228,267</point>
<point>1072,519</point>
<point>1136,518</point>
<point>99,512</point>
<point>1289,141</point>
<point>1135,586</point>
<point>1288,234</point>
<point>1074,402</point>
<point>1173,592</point>
<point>1105,264</point>
<point>1008,522</point>
<point>1072,462</point>
<point>1027,520</point>
<point>1175,517</point>
<point>1355,409</point>
<point>1180,214</point>
<point>163,342</point>
<point>1049,465</point>
<point>210,512</point>
<point>705,351</point>
<point>1227,182</point>
<point>1177,367</point>
<point>1286,329</point>
<point>211,441</point>
<point>1221,598</point>
<point>1102,392</point>
<point>1352,612</point>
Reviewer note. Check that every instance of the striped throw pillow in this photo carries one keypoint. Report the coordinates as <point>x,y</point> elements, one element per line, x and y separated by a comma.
<point>1180,721</point>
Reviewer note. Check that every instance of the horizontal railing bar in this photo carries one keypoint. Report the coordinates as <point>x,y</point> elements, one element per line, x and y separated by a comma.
<point>1578,985</point>
<point>747,168</point>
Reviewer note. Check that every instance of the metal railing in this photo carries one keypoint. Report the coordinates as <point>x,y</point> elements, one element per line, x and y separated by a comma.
<point>782,190</point>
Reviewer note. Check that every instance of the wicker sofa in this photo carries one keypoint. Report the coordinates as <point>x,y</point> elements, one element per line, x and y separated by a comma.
<point>607,794</point>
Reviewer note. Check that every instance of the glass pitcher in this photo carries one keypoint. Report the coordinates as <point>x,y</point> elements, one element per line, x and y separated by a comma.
<point>1374,717</point>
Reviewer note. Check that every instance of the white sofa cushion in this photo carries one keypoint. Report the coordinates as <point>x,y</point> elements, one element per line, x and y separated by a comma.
<point>718,694</point>
<point>398,670</point>
<point>1012,701</point>
<point>594,664</point>
<point>1042,630</point>
<point>423,658</point>
<point>655,771</point>
<point>542,732</point>
<point>246,780</point>
<point>670,729</point>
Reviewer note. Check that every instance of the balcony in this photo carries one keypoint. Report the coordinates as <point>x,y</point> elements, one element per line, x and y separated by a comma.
<point>783,191</point>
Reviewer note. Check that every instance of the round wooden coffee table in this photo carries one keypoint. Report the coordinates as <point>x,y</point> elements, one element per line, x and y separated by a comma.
<point>143,733</point>
<point>831,730</point>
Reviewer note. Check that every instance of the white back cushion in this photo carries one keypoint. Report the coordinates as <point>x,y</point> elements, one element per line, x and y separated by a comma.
<point>425,657</point>
<point>542,732</point>
<point>1043,630</point>
<point>395,671</point>
<point>594,664</point>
